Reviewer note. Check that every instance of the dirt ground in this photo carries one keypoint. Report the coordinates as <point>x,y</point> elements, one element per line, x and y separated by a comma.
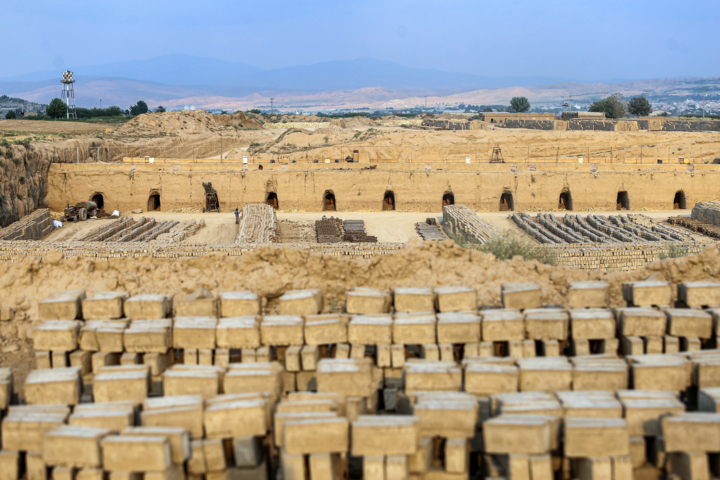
<point>43,126</point>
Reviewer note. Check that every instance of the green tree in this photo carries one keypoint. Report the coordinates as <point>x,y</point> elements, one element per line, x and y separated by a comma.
<point>487,109</point>
<point>139,108</point>
<point>160,109</point>
<point>612,106</point>
<point>520,104</point>
<point>639,106</point>
<point>113,111</point>
<point>56,109</point>
<point>10,115</point>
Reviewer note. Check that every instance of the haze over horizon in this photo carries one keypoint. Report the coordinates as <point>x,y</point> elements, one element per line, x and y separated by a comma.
<point>553,40</point>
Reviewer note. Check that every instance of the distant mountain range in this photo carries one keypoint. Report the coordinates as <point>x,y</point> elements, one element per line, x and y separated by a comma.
<point>175,81</point>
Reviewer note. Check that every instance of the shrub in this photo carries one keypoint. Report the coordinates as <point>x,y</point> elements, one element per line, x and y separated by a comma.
<point>19,197</point>
<point>674,251</point>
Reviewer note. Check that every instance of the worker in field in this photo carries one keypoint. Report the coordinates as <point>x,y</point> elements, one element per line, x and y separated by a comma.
<point>237,216</point>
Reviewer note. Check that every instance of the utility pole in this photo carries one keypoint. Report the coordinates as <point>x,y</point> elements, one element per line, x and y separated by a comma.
<point>272,108</point>
<point>704,89</point>
<point>101,104</point>
<point>570,102</point>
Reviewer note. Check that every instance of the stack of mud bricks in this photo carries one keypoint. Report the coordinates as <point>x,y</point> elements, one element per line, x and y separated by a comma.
<point>463,221</point>
<point>35,226</point>
<point>259,224</point>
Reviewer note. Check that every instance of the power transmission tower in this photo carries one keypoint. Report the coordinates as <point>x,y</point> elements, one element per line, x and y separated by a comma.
<point>704,89</point>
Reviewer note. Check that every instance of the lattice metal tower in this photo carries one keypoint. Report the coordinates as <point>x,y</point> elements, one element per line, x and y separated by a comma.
<point>68,93</point>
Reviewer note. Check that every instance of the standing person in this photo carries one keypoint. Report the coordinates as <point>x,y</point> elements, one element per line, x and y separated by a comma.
<point>237,216</point>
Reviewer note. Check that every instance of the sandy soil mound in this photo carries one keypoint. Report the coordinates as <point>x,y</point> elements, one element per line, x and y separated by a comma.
<point>183,122</point>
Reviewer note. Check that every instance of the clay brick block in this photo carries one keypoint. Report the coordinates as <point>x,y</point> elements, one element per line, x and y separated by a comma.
<point>599,376</point>
<point>179,439</point>
<point>653,344</point>
<point>56,336</point>
<point>144,453</point>
<point>124,383</point>
<point>409,300</point>
<point>345,376</point>
<point>310,355</point>
<point>684,322</point>
<point>370,330</point>
<point>301,302</point>
<point>591,324</point>
<point>502,325</point>
<point>149,336</point>
<point>78,447</point>
<point>385,435</point>
<point>456,299</point>
<point>25,430</point>
<point>280,418</point>
<point>523,434</point>
<point>194,332</point>
<point>520,295</point>
<point>241,418</point>
<point>642,322</point>
<point>691,432</point>
<point>109,337</point>
<point>413,329</point>
<point>692,465</point>
<point>540,374</point>
<point>588,294</point>
<point>282,330</point>
<point>367,301</point>
<point>647,293</point>
<point>596,437</point>
<point>643,415</point>
<point>148,306</point>
<point>294,467</point>
<point>104,359</point>
<point>485,379</point>
<point>316,436</point>
<point>248,451</point>
<point>238,332</point>
<point>9,465</point>
<point>103,305</point>
<point>200,303</point>
<point>447,418</point>
<point>239,304</point>
<point>61,305</point>
<point>325,329</point>
<point>699,294</point>
<point>594,468</point>
<point>656,372</point>
<point>6,387</point>
<point>551,325</point>
<point>203,381</point>
<point>457,455</point>
<point>432,376</point>
<point>54,386</point>
<point>374,467</point>
<point>254,377</point>
<point>179,411</point>
<point>457,328</point>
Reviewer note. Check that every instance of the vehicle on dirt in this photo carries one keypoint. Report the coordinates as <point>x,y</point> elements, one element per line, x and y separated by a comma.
<point>80,211</point>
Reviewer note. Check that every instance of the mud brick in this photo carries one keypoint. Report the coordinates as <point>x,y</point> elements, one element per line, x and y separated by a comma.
<point>690,344</point>
<point>197,464</point>
<point>35,468</point>
<point>515,466</point>
<point>345,376</point>
<point>292,359</point>
<point>148,306</point>
<point>87,340</point>
<point>316,436</point>
<point>420,461</point>
<point>280,418</point>
<point>325,329</point>
<point>61,305</point>
<point>458,328</point>
<point>447,418</point>
<point>691,432</point>
<point>282,330</point>
<point>549,348</point>
<point>456,299</point>
<point>43,360</point>
<point>593,468</point>
<point>240,418</point>
<point>9,465</point>
<point>653,344</point>
<point>397,355</point>
<point>588,294</point>
<point>541,325</point>
<point>56,335</point>
<point>457,455</point>
<point>660,372</point>
<point>194,332</point>
<point>370,330</point>
<point>485,379</point>
<point>671,344</point>
<point>548,374</point>
<point>385,435</point>
<point>248,451</point>
<point>382,356</point>
<point>301,302</point>
<point>413,329</point>
<point>407,300</point>
<point>109,337</point>
<point>54,386</point>
<point>103,305</point>
<point>24,430</point>
<point>69,446</point>
<point>257,379</point>
<point>599,376</point>
<point>249,355</point>
<point>294,467</point>
<point>432,376</point>
<point>342,351</point>
<point>632,345</point>
<point>149,336</point>
<point>104,359</point>
<point>596,437</point>
<point>200,303</point>
<point>59,359</point>
<point>647,293</point>
<point>357,351</point>
<point>112,415</point>
<point>529,349</point>
<point>179,411</point>
<point>203,381</point>
<point>515,349</point>
<point>89,474</point>
<point>238,332</point>
<point>502,325</point>
<point>642,322</point>
<point>446,352</point>
<point>596,404</point>
<point>144,453</point>
<point>699,294</point>
<point>518,434</point>
<point>643,415</point>
<point>690,465</point>
<point>179,439</point>
<point>262,354</point>
<point>367,301</point>
<point>158,362</point>
<point>374,467</point>
<point>310,355</point>
<point>471,349</point>
<point>131,359</point>
<point>239,304</point>
<point>204,356</point>
<point>541,467</point>
<point>609,346</point>
<point>117,384</point>
<point>590,324</point>
<point>683,322</point>
<point>638,451</point>
<point>430,352</point>
<point>6,387</point>
<point>520,295</point>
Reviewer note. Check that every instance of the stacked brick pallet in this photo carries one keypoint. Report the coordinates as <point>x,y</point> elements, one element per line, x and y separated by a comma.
<point>259,224</point>
<point>625,257</point>
<point>35,226</point>
<point>329,230</point>
<point>463,221</point>
<point>208,387</point>
<point>354,231</point>
<point>144,230</point>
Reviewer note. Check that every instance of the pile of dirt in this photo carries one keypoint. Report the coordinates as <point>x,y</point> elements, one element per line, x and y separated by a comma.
<point>183,123</point>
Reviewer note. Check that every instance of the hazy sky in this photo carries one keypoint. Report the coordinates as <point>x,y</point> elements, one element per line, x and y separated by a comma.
<point>585,40</point>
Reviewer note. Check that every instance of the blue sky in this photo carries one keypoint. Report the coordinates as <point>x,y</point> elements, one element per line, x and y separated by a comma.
<point>583,40</point>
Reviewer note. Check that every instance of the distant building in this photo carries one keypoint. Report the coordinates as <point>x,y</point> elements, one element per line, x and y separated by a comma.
<point>583,115</point>
<point>500,117</point>
<point>5,110</point>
